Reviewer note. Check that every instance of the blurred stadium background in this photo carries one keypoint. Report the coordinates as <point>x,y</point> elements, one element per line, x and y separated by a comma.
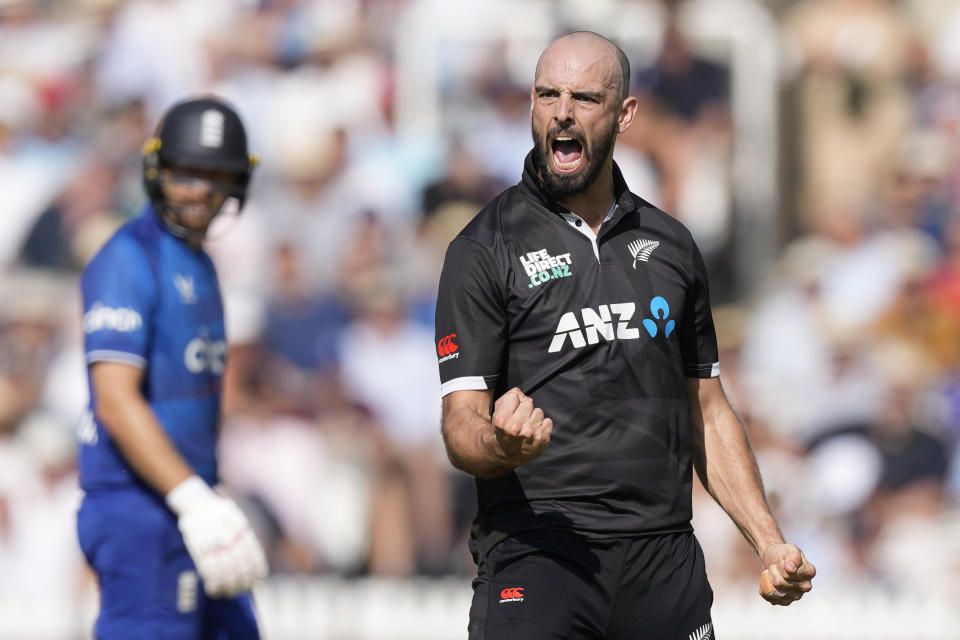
<point>811,146</point>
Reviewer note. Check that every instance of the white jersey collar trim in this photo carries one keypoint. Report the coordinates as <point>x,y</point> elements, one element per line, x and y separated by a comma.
<point>584,228</point>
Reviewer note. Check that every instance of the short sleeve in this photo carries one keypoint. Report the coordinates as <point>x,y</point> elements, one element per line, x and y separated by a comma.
<point>697,335</point>
<point>119,288</point>
<point>471,326</point>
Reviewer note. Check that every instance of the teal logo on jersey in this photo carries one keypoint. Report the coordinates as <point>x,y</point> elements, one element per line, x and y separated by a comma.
<point>542,267</point>
<point>660,309</point>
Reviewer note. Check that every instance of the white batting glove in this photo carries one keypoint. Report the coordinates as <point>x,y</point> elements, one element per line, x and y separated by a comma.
<point>218,537</point>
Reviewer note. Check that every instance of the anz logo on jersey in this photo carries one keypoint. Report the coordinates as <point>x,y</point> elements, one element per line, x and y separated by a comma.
<point>203,354</point>
<point>611,322</point>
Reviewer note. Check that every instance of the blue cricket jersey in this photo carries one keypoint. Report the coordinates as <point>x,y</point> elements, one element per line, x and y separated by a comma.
<point>153,302</point>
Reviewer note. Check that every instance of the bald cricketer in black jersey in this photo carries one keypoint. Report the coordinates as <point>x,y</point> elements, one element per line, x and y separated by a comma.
<point>580,381</point>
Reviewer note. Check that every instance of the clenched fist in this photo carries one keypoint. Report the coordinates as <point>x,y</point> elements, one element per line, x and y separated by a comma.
<point>786,575</point>
<point>521,429</point>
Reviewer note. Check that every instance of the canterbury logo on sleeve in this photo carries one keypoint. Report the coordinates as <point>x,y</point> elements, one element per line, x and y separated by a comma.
<point>447,348</point>
<point>511,594</point>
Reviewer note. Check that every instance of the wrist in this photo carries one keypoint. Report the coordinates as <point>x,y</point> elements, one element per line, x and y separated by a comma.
<point>490,461</point>
<point>766,545</point>
<point>188,493</point>
<point>495,451</point>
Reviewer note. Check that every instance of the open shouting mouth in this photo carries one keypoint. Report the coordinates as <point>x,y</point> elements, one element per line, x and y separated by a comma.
<point>567,154</point>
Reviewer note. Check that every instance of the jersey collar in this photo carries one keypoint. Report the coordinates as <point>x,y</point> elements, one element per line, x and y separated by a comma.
<point>581,226</point>
<point>532,185</point>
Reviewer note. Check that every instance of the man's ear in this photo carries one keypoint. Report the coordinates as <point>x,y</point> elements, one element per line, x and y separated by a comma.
<point>628,110</point>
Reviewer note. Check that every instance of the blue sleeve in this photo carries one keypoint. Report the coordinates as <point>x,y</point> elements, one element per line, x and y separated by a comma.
<point>119,290</point>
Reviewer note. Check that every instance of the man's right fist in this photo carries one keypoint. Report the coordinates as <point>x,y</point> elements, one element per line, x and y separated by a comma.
<point>218,537</point>
<point>522,431</point>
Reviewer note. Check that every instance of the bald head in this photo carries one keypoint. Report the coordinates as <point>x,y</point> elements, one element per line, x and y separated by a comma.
<point>581,46</point>
<point>579,103</point>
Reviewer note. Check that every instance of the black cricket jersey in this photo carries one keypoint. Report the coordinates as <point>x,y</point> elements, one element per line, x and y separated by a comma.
<point>602,336</point>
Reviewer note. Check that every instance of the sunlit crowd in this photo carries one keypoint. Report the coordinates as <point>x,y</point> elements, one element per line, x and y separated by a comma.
<point>842,357</point>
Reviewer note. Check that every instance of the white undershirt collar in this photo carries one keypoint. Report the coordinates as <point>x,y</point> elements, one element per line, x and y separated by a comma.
<point>581,225</point>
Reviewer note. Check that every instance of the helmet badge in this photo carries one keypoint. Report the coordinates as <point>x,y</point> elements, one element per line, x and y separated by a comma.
<point>211,128</point>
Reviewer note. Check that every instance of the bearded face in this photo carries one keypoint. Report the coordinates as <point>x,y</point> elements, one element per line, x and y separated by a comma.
<point>568,159</point>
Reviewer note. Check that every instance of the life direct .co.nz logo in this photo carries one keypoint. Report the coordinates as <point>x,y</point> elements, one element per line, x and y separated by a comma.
<point>543,267</point>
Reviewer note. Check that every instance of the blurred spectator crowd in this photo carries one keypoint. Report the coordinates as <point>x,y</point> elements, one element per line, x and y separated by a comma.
<point>845,363</point>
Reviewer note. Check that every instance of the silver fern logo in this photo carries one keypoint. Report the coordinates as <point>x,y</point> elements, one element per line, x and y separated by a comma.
<point>703,633</point>
<point>641,249</point>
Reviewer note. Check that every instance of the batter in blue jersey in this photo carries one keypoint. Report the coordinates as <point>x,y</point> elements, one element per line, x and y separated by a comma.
<point>174,558</point>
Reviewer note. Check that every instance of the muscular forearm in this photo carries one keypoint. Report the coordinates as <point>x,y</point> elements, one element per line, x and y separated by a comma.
<point>728,469</point>
<point>486,446</point>
<point>471,444</point>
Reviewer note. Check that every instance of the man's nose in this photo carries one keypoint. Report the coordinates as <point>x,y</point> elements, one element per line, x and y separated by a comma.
<point>564,109</point>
